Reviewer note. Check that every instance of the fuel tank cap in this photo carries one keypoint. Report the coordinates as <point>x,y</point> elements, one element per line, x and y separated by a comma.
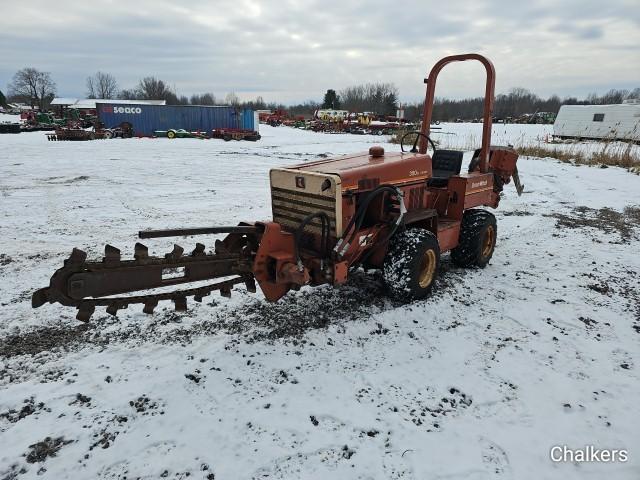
<point>376,151</point>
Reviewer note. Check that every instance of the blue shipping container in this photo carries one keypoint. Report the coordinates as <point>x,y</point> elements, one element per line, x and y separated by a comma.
<point>148,118</point>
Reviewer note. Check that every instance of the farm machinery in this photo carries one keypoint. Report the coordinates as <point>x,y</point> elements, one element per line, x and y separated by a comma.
<point>397,212</point>
<point>46,121</point>
<point>72,132</point>
<point>178,133</point>
<point>40,121</point>
<point>75,132</point>
<point>225,134</point>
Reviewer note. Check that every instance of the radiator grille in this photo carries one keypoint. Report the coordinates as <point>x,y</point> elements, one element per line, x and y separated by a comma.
<point>290,207</point>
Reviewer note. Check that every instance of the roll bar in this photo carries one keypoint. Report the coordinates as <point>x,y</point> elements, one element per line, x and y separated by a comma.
<point>488,102</point>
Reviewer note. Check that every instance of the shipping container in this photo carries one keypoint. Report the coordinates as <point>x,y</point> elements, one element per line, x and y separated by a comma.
<point>148,118</point>
<point>609,122</point>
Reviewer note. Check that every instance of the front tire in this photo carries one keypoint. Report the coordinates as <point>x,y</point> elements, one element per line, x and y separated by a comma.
<point>411,264</point>
<point>478,234</point>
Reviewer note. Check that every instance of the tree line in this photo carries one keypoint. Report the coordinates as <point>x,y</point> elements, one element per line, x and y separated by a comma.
<point>517,102</point>
<point>381,98</point>
<point>37,88</point>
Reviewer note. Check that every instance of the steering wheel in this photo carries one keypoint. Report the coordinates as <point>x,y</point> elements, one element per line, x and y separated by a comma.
<point>418,134</point>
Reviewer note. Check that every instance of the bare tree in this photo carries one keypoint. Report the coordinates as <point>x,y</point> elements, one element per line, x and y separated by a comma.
<point>260,104</point>
<point>232,99</point>
<point>129,94</point>
<point>381,98</point>
<point>102,85</point>
<point>151,88</point>
<point>33,86</point>
<point>204,99</point>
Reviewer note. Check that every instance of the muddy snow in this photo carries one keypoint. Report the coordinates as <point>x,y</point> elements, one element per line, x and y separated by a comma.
<point>478,381</point>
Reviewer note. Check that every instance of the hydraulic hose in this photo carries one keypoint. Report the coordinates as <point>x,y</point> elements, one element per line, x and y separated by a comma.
<point>358,218</point>
<point>355,223</point>
<point>324,240</point>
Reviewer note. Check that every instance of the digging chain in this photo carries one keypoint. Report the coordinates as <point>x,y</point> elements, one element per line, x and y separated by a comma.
<point>87,285</point>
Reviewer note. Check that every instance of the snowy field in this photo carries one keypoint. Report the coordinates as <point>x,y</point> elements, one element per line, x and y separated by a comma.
<point>479,381</point>
<point>469,135</point>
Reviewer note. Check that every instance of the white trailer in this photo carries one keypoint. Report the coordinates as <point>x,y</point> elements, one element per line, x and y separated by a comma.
<point>598,122</point>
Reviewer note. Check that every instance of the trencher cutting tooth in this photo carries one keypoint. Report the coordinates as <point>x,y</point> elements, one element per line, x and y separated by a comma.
<point>175,253</point>
<point>220,247</point>
<point>140,251</point>
<point>149,306</point>
<point>225,291</point>
<point>77,257</point>
<point>112,309</point>
<point>250,284</point>
<point>180,304</point>
<point>111,254</point>
<point>85,312</point>
<point>199,250</point>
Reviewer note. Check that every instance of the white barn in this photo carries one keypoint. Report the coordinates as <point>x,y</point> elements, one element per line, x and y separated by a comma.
<point>609,122</point>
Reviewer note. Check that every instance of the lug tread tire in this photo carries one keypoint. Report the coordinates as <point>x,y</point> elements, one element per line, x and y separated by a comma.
<point>403,262</point>
<point>468,253</point>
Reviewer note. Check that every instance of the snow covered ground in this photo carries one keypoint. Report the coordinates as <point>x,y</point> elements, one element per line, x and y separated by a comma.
<point>468,135</point>
<point>479,381</point>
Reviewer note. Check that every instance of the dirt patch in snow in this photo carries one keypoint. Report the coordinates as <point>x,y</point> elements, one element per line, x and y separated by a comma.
<point>621,285</point>
<point>605,220</point>
<point>254,320</point>
<point>29,407</point>
<point>49,447</point>
<point>43,339</point>
<point>310,309</point>
<point>517,213</point>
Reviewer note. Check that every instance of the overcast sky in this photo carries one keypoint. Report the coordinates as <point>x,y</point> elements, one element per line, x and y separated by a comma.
<point>291,50</point>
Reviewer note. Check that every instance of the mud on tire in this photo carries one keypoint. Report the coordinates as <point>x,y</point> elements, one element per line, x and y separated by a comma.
<point>477,239</point>
<point>411,264</point>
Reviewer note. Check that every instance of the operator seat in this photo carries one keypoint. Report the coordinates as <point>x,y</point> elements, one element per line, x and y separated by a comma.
<point>444,164</point>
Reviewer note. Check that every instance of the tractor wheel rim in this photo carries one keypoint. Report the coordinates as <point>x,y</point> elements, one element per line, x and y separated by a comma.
<point>488,241</point>
<point>427,268</point>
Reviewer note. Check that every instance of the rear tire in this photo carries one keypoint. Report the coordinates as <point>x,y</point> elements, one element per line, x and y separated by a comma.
<point>171,134</point>
<point>477,243</point>
<point>411,264</point>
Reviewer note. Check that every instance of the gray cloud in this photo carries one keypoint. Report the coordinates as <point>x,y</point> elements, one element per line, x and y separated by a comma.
<point>295,50</point>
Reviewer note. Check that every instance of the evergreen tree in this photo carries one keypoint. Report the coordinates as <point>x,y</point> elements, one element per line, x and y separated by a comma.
<point>331,100</point>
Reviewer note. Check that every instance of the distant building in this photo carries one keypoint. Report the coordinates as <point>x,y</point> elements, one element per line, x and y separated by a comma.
<point>90,103</point>
<point>19,107</point>
<point>599,122</point>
